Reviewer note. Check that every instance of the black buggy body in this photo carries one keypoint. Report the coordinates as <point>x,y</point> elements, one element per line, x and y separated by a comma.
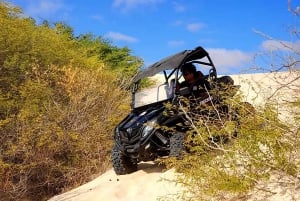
<point>152,130</point>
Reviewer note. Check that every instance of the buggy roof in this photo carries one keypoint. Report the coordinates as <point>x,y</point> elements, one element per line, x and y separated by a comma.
<point>172,62</point>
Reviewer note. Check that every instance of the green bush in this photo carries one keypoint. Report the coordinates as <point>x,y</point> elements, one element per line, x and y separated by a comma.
<point>59,103</point>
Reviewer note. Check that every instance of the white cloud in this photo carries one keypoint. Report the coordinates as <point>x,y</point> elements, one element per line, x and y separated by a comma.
<point>271,45</point>
<point>226,60</point>
<point>44,8</point>
<point>131,4</point>
<point>175,43</point>
<point>178,7</point>
<point>278,54</point>
<point>194,27</point>
<point>121,37</point>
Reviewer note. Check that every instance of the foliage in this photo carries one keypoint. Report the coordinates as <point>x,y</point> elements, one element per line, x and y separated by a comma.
<point>229,168</point>
<point>61,95</point>
<point>265,143</point>
<point>115,59</point>
<point>60,98</point>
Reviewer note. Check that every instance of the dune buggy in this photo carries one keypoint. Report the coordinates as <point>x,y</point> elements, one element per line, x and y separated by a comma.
<point>152,129</point>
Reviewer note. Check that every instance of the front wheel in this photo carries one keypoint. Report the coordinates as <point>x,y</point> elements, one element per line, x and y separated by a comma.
<point>122,164</point>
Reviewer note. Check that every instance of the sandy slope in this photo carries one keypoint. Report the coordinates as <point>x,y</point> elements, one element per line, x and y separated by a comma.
<point>150,182</point>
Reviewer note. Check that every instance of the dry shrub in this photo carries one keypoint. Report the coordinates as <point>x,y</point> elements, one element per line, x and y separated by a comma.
<point>218,170</point>
<point>62,134</point>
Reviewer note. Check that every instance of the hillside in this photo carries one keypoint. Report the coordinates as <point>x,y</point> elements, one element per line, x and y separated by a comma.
<point>152,182</point>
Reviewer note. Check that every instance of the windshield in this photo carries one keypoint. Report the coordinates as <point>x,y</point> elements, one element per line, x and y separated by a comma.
<point>160,90</point>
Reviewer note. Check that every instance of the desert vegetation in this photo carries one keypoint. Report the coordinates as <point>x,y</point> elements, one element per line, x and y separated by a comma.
<point>60,98</point>
<point>266,146</point>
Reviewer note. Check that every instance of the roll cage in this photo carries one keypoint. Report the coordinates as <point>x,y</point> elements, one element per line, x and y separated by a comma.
<point>171,65</point>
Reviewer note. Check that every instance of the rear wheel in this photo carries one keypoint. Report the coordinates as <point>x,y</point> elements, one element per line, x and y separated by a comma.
<point>122,164</point>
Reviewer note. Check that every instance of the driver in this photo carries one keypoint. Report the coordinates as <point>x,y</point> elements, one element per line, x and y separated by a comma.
<point>194,80</point>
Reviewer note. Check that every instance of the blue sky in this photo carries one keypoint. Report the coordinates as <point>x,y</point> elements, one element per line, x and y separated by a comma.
<point>232,31</point>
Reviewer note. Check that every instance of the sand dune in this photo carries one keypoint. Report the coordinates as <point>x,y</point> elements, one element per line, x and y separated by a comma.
<point>151,181</point>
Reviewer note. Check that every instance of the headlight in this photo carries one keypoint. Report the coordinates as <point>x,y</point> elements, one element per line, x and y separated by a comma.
<point>149,127</point>
<point>147,130</point>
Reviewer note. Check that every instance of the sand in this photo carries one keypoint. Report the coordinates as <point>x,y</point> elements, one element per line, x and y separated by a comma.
<point>151,182</point>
